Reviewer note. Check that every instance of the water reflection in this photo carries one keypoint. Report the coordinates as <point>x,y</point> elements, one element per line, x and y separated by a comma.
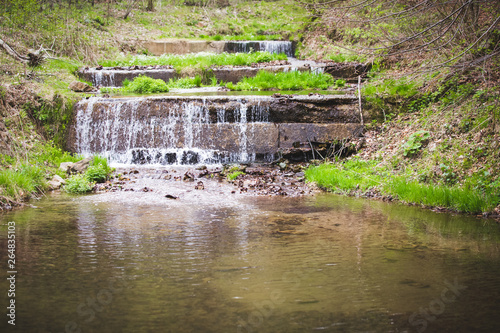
<point>324,263</point>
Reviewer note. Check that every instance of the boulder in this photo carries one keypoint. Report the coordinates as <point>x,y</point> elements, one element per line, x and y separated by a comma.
<point>78,86</point>
<point>56,182</point>
<point>66,166</point>
<point>81,166</point>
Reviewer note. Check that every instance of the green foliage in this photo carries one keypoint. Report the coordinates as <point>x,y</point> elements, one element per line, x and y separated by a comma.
<point>344,177</point>
<point>22,181</point>
<point>51,155</point>
<point>391,87</point>
<point>145,85</point>
<point>78,184</point>
<point>340,83</point>
<point>98,171</point>
<point>52,116</point>
<point>415,142</point>
<point>459,199</point>
<point>187,82</point>
<point>358,175</point>
<point>293,80</point>
<point>195,60</point>
<point>233,175</point>
<point>23,176</point>
<point>346,57</point>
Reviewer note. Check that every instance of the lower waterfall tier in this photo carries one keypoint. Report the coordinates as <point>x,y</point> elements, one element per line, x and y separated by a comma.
<point>197,130</point>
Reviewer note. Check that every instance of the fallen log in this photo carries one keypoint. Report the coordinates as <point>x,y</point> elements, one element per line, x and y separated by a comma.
<point>33,59</point>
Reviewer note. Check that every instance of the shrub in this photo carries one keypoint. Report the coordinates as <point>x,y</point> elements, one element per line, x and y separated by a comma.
<point>234,175</point>
<point>145,85</point>
<point>416,141</point>
<point>78,184</point>
<point>293,80</point>
<point>98,171</point>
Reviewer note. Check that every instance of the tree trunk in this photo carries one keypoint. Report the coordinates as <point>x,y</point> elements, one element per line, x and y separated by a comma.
<point>151,6</point>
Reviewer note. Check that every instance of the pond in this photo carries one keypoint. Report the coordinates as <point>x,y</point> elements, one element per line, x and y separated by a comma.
<point>212,261</point>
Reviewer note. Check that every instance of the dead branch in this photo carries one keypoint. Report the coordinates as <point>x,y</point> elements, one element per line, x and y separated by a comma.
<point>33,59</point>
<point>13,53</point>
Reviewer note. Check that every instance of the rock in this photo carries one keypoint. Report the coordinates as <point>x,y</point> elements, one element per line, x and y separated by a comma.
<point>81,166</point>
<point>188,177</point>
<point>199,186</point>
<point>65,166</point>
<point>56,182</point>
<point>78,86</point>
<point>249,183</point>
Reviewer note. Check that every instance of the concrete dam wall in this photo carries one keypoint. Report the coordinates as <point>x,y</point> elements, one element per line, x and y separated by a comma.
<point>209,130</point>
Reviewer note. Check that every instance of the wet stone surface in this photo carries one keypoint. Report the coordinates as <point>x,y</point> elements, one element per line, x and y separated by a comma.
<point>176,181</point>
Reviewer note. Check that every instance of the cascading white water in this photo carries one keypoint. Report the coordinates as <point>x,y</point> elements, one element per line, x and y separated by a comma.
<point>270,46</point>
<point>103,79</point>
<point>131,131</point>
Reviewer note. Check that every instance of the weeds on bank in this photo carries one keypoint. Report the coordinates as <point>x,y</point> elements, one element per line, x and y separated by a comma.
<point>21,176</point>
<point>360,176</point>
<point>146,85</point>
<point>242,37</point>
<point>97,172</point>
<point>293,80</point>
<point>196,60</point>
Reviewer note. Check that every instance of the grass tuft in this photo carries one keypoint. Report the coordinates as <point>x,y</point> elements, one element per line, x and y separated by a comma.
<point>293,80</point>
<point>195,60</point>
<point>357,175</point>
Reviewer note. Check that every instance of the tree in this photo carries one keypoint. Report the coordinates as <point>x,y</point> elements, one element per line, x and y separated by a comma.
<point>466,31</point>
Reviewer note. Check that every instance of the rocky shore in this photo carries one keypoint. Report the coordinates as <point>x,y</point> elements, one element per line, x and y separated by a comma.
<point>237,179</point>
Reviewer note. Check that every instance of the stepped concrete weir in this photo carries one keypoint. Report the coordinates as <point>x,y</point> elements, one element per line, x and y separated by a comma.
<point>179,46</point>
<point>211,129</point>
<point>114,76</point>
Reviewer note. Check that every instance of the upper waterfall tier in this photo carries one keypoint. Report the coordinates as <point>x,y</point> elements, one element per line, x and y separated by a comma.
<point>193,130</point>
<point>270,46</point>
<point>194,46</point>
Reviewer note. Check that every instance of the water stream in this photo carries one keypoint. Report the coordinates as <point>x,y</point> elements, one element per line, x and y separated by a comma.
<point>135,131</point>
<point>212,261</point>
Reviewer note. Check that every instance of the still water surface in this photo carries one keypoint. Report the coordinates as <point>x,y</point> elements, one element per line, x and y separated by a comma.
<point>219,263</point>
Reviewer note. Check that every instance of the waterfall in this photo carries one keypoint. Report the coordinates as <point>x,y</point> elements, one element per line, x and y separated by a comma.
<point>285,47</point>
<point>169,131</point>
<point>102,78</point>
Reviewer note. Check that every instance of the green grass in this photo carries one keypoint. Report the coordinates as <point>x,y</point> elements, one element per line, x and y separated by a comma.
<point>242,37</point>
<point>144,85</point>
<point>98,171</point>
<point>233,175</point>
<point>341,55</point>
<point>358,175</point>
<point>197,60</point>
<point>78,184</point>
<point>22,177</point>
<point>293,80</point>
<point>22,181</point>
<point>404,88</point>
<point>345,177</point>
<point>186,82</point>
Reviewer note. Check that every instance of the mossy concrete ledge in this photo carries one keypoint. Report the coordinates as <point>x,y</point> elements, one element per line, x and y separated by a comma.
<point>184,46</point>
